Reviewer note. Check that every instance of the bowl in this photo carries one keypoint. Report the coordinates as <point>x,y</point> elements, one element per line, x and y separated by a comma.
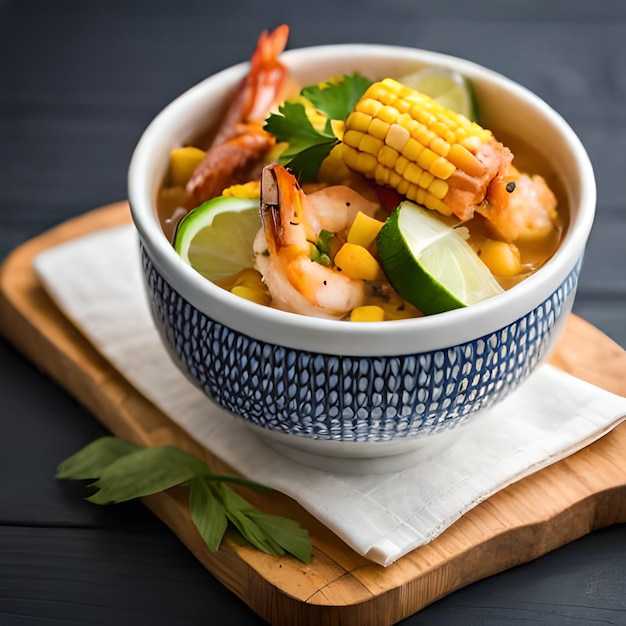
<point>315,388</point>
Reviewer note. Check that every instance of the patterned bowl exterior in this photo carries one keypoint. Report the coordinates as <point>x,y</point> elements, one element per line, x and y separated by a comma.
<point>346,398</point>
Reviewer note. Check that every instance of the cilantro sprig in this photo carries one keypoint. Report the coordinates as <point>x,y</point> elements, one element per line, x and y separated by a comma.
<point>123,471</point>
<point>308,146</point>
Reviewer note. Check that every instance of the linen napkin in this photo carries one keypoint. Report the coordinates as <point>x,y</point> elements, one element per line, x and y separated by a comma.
<point>96,282</point>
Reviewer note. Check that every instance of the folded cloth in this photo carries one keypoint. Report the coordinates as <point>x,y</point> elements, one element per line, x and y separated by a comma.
<point>96,281</point>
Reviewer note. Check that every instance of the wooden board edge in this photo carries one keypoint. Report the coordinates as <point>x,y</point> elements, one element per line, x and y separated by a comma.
<point>393,599</point>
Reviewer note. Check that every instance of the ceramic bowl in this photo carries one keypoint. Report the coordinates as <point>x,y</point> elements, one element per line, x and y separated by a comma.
<point>360,390</point>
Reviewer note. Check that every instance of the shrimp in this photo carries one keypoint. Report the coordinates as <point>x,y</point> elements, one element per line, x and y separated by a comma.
<point>291,220</point>
<point>519,207</point>
<point>241,140</point>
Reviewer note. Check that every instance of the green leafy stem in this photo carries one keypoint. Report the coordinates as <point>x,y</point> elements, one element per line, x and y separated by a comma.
<point>123,471</point>
<point>308,147</point>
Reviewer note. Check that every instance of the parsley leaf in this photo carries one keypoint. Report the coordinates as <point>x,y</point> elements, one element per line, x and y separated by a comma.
<point>307,146</point>
<point>124,471</point>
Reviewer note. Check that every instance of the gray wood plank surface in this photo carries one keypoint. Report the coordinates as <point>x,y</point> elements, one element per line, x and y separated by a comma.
<point>78,84</point>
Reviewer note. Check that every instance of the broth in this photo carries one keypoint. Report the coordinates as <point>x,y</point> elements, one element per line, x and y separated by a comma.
<point>534,254</point>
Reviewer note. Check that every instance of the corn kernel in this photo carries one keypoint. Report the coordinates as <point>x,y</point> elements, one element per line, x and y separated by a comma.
<point>352,138</point>
<point>440,146</point>
<point>357,262</point>
<point>252,294</point>
<point>402,187</point>
<point>420,196</point>
<point>413,173</point>
<point>388,114</point>
<point>434,204</point>
<point>442,131</point>
<point>401,164</point>
<point>397,137</point>
<point>411,192</point>
<point>394,179</point>
<point>472,143</point>
<point>250,190</point>
<point>412,149</point>
<point>419,113</point>
<point>426,158</point>
<point>338,127</point>
<point>425,180</point>
<point>423,135</point>
<point>388,157</point>
<point>442,168</point>
<point>381,174</point>
<point>369,106</point>
<point>378,129</point>
<point>368,313</point>
<point>358,161</point>
<point>364,229</point>
<point>357,120</point>
<point>439,188</point>
<point>464,160</point>
<point>370,144</point>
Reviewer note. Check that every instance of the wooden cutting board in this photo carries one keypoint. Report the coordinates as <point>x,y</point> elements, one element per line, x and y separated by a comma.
<point>528,519</point>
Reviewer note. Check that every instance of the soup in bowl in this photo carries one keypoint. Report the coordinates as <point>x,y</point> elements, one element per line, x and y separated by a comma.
<point>323,385</point>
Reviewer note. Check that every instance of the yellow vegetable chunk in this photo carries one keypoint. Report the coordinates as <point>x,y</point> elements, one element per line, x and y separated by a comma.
<point>183,162</point>
<point>364,230</point>
<point>502,258</point>
<point>368,313</point>
<point>357,262</point>
<point>250,293</point>
<point>250,190</point>
<point>248,284</point>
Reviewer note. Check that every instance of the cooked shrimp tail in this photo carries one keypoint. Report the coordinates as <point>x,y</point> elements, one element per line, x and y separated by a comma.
<point>241,141</point>
<point>292,222</point>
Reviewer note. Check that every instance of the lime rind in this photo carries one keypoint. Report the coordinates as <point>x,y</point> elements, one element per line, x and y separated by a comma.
<point>448,87</point>
<point>430,264</point>
<point>216,238</point>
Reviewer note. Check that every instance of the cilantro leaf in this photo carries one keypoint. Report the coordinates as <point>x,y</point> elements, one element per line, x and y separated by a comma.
<point>338,98</point>
<point>307,148</point>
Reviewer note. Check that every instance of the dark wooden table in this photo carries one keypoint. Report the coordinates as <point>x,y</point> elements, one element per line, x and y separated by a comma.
<point>79,81</point>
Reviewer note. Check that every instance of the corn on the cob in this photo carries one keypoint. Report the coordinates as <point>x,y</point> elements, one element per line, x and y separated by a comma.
<point>404,139</point>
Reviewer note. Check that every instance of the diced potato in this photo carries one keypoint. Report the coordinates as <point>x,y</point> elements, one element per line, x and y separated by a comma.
<point>368,313</point>
<point>364,229</point>
<point>357,262</point>
<point>183,162</point>
<point>502,258</point>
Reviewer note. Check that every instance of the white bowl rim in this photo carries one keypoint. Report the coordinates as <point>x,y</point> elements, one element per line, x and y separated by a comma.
<point>339,337</point>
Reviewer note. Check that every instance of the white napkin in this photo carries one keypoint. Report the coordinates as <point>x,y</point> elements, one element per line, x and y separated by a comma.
<point>96,281</point>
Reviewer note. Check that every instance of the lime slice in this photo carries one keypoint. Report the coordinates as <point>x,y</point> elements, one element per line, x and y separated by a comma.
<point>431,264</point>
<point>447,87</point>
<point>216,238</point>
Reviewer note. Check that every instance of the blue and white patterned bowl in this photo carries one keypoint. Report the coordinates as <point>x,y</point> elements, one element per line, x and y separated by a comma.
<point>369,389</point>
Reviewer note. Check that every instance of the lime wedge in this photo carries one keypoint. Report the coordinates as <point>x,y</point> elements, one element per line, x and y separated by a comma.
<point>431,264</point>
<point>447,87</point>
<point>216,238</point>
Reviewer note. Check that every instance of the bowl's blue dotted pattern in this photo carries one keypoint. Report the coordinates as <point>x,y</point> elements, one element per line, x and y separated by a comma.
<point>350,398</point>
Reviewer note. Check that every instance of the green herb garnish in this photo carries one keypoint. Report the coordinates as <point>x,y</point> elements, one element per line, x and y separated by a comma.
<point>124,471</point>
<point>308,147</point>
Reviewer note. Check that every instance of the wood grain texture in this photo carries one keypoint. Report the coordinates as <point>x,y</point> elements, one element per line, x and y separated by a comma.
<point>532,517</point>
